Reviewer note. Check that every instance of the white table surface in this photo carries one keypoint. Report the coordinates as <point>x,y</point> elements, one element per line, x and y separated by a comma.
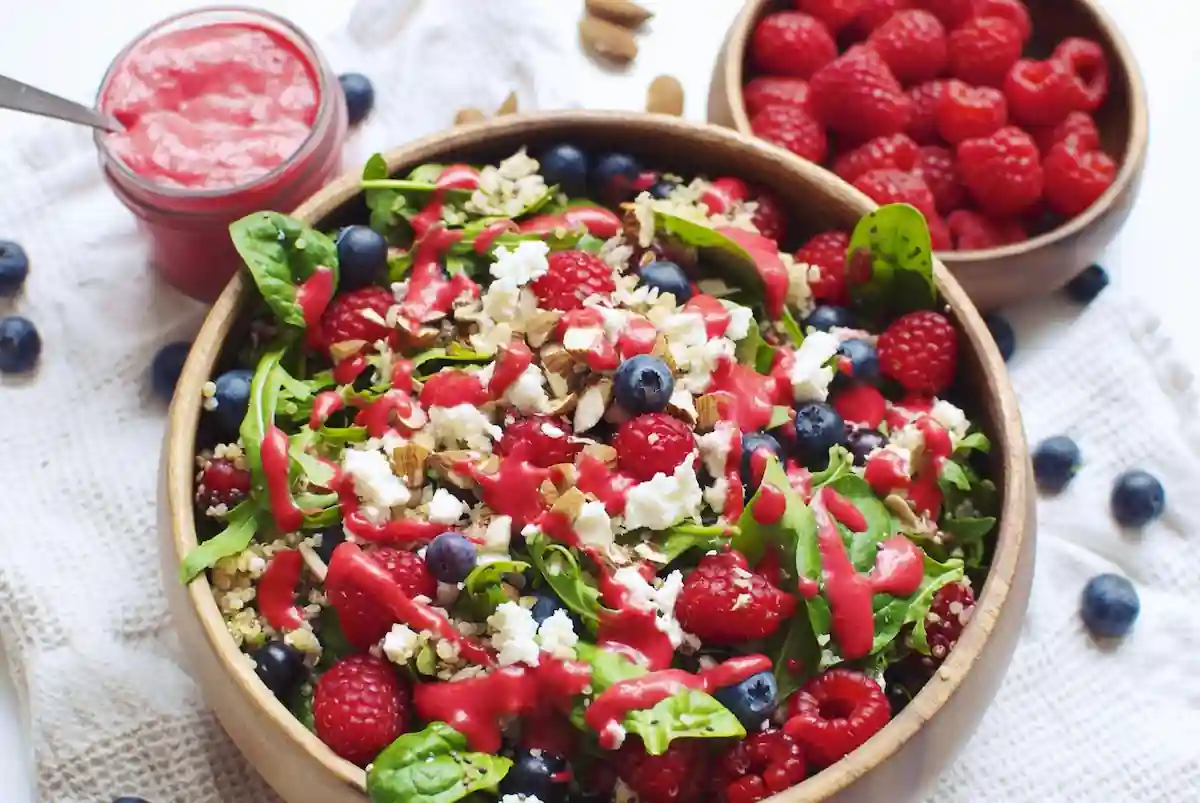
<point>64,46</point>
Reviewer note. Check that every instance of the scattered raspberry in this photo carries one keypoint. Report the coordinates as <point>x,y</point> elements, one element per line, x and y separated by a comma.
<point>1041,93</point>
<point>677,776</point>
<point>768,216</point>
<point>984,50</point>
<point>952,13</point>
<point>548,436</point>
<point>936,165</point>
<point>874,13</point>
<point>835,713</point>
<point>762,764</point>
<point>1074,180</point>
<point>1002,172</point>
<point>858,96</point>
<point>913,44</point>
<point>222,483</point>
<point>774,90</point>
<point>793,128</point>
<point>1012,10</point>
<point>969,112</point>
<point>898,187</point>
<point>450,388</point>
<point>358,315</point>
<point>1088,66</point>
<point>971,231</point>
<point>1078,131</point>
<point>572,277</point>
<point>951,610</point>
<point>835,14</point>
<point>919,350</point>
<point>654,443</point>
<point>724,603</point>
<point>791,43</point>
<point>861,404</point>
<point>365,621</point>
<point>827,252</point>
<point>360,706</point>
<point>897,151</point>
<point>925,100</point>
<point>939,234</point>
<point>925,496</point>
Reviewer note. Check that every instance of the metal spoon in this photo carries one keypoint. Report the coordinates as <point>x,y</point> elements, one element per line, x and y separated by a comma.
<point>25,98</point>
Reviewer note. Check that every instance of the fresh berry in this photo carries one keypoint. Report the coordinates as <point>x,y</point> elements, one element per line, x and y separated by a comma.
<point>825,317</point>
<point>835,14</point>
<point>873,13</point>
<point>861,360</point>
<point>567,166</point>
<point>791,43</point>
<point>949,613</point>
<point>889,186</point>
<point>232,399</point>
<point>549,439</point>
<point>752,465</point>
<point>722,602</point>
<point>450,557</point>
<point>835,713</point>
<point>1088,284</point>
<point>920,351</point>
<point>654,443</point>
<point>537,774</point>
<point>571,278</point>
<point>857,95</point>
<point>895,151</point>
<point>776,90</point>
<point>791,127</point>
<point>752,701</point>
<point>666,277</point>
<point>939,234</point>
<point>614,178</point>
<point>1002,172</point>
<point>861,442</point>
<point>360,706</point>
<point>222,483</point>
<point>362,257</point>
<point>968,112</point>
<point>925,100</point>
<point>1138,498</point>
<point>676,776</point>
<point>358,315</point>
<point>971,231</point>
<point>1003,333</point>
<point>1088,66</point>
<point>1012,10</point>
<point>14,268</point>
<point>279,666</point>
<point>983,51</point>
<point>952,13</point>
<point>818,429</point>
<point>363,620</point>
<point>1078,132</point>
<point>1109,605</point>
<point>827,253</point>
<point>450,388</point>
<point>20,345</point>
<point>662,188</point>
<point>1056,460</point>
<point>545,605</point>
<point>860,405</point>
<point>360,96</point>
<point>643,384</point>
<point>768,216</point>
<point>1074,180</point>
<point>1041,93</point>
<point>332,537</point>
<point>166,368</point>
<point>937,166</point>
<point>762,764</point>
<point>913,44</point>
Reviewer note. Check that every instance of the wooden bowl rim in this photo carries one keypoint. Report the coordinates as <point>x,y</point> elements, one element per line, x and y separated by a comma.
<point>1136,144</point>
<point>1008,441</point>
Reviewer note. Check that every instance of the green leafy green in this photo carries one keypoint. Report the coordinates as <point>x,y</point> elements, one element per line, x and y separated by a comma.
<point>796,526</point>
<point>686,715</point>
<point>685,537</point>
<point>281,252</point>
<point>590,243</point>
<point>916,607</point>
<point>841,464</point>
<point>952,475</point>
<point>791,327</point>
<point>975,441</point>
<point>881,524</point>
<point>715,248</point>
<point>334,644</point>
<point>608,669</point>
<point>301,705</point>
<point>426,173</point>
<point>265,389</point>
<point>894,242</point>
<point>482,590</point>
<point>797,643</point>
<point>561,570</point>
<point>318,472</point>
<point>432,766</point>
<point>779,416</point>
<point>240,526</point>
<point>429,362</point>
<point>748,347</point>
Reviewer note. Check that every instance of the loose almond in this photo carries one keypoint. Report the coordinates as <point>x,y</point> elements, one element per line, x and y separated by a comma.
<point>556,360</point>
<point>539,326</point>
<point>346,349</point>
<point>602,452</point>
<point>563,406</point>
<point>443,464</point>
<point>665,96</point>
<point>469,115</point>
<point>708,412</point>
<point>509,106</point>
<point>592,405</point>
<point>408,462</point>
<point>622,12</point>
<point>570,503</point>
<point>564,475</point>
<point>607,40</point>
<point>580,340</point>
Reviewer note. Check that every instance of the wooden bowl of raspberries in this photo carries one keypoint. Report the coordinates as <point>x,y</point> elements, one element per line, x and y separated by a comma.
<point>1019,127</point>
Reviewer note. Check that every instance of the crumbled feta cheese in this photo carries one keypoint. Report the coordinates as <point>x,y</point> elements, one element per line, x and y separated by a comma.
<point>702,360</point>
<point>639,592</point>
<point>643,213</point>
<point>514,635</point>
<point>908,438</point>
<point>661,599</point>
<point>501,301</point>
<point>800,276</point>
<point>950,417</point>
<point>401,644</point>
<point>684,331</point>
<point>521,265</point>
<point>717,494</point>
<point>446,508</point>
<point>616,253</point>
<point>557,636</point>
<point>664,500</point>
<point>508,188</point>
<point>612,737</point>
<point>740,319</point>
<point>465,425</point>
<point>519,165</point>
<point>497,535</point>
<point>520,799</point>
<point>374,483</point>
<point>810,376</point>
<point>715,447</point>
<point>528,393</point>
<point>593,526</point>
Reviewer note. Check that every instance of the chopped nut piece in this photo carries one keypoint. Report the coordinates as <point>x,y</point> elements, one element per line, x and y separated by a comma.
<point>346,349</point>
<point>539,326</point>
<point>622,12</point>
<point>408,462</point>
<point>549,491</point>
<point>564,475</point>
<point>580,340</point>
<point>565,405</point>
<point>442,464</point>
<point>313,561</point>
<point>592,405</point>
<point>708,412</point>
<point>683,406</point>
<point>556,360</point>
<point>570,503</point>
<point>602,452</point>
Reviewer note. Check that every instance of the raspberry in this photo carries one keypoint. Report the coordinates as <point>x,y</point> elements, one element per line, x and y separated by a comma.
<point>984,50</point>
<point>791,43</point>
<point>1002,172</point>
<point>926,100</point>
<point>572,277</point>
<point>360,706</point>
<point>723,603</point>
<point>936,165</point>
<point>221,483</point>
<point>827,252</point>
<point>951,610</point>
<point>548,436</point>
<point>858,96</point>
<point>896,151</point>
<point>769,217</point>
<point>449,388</point>
<point>1078,131</point>
<point>365,621</point>
<point>939,235</point>
<point>1074,180</point>
<point>835,14</point>
<point>1041,92</point>
<point>347,317</point>
<point>835,713</point>
<point>762,764</point>
<point>874,13</point>
<point>793,128</point>
<point>952,13</point>
<point>774,90</point>
<point>968,112</point>
<point>1088,66</point>
<point>676,776</point>
<point>971,231</point>
<point>913,44</point>
<point>898,187</point>
<point>1012,10</point>
<point>654,443</point>
<point>920,351</point>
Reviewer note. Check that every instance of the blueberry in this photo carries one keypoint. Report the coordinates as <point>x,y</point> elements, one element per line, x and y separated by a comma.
<point>567,166</point>
<point>20,345</point>
<point>864,359</point>
<point>1138,498</point>
<point>818,428</point>
<point>662,188</point>
<point>614,177</point>
<point>166,368</point>
<point>233,399</point>
<point>362,257</point>
<point>1087,285</point>
<point>1109,606</point>
<point>825,317</point>
<point>14,268</point>
<point>1055,463</point>
<point>667,277</point>
<point>752,701</point>
<point>861,442</point>
<point>1002,333</point>
<point>129,799</point>
<point>279,666</point>
<point>898,697</point>
<point>643,384</point>
<point>331,538</point>
<point>450,557</point>
<point>754,442</point>
<point>537,773</point>
<point>546,604</point>
<point>360,95</point>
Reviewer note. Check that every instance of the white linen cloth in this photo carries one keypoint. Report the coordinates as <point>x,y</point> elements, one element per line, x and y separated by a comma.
<point>83,622</point>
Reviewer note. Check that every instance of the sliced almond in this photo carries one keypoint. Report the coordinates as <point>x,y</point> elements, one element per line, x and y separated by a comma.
<point>443,465</point>
<point>665,96</point>
<point>708,412</point>
<point>549,491</point>
<point>469,115</point>
<point>592,405</point>
<point>663,351</point>
<point>607,40</point>
<point>903,511</point>
<point>509,106</point>
<point>622,12</point>
<point>539,325</point>
<point>559,387</point>
<point>346,349</point>
<point>556,360</point>
<point>563,406</point>
<point>408,462</point>
<point>602,452</point>
<point>570,503</point>
<point>313,561</point>
<point>682,405</point>
<point>579,341</point>
<point>564,475</point>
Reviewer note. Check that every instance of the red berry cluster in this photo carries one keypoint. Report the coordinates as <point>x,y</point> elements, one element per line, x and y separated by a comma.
<point>931,103</point>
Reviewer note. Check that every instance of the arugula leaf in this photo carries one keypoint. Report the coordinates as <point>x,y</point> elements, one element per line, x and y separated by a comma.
<point>685,537</point>
<point>798,643</point>
<point>687,715</point>
<point>240,526</point>
<point>560,568</point>
<point>590,243</point>
<point>916,607</point>
<point>796,526</point>
<point>432,766</point>
<point>340,436</point>
<point>399,264</point>
<point>716,249</point>
<point>968,533</point>
<point>482,592</point>
<point>952,475</point>
<point>317,471</point>
<point>439,358</point>
<point>893,241</point>
<point>265,389</point>
<point>281,252</point>
<point>791,327</point>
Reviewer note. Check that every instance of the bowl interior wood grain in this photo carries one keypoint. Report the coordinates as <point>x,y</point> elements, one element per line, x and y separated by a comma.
<point>915,745</point>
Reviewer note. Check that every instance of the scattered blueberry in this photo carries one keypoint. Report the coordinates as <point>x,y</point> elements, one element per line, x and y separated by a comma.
<point>1055,462</point>
<point>14,268</point>
<point>1087,285</point>
<point>898,697</point>
<point>360,95</point>
<point>331,538</point>
<point>233,399</point>
<point>166,368</point>
<point>825,317</point>
<point>537,773</point>
<point>753,442</point>
<point>861,442</point>
<point>662,188</point>
<point>20,345</point>
<point>614,177</point>
<point>818,429</point>
<point>567,166</point>
<point>1110,605</point>
<point>667,277</point>
<point>643,384</point>
<point>1002,333</point>
<point>450,557</point>
<point>279,666</point>
<point>362,257</point>
<point>864,359</point>
<point>545,605</point>
<point>752,701</point>
<point>1138,498</point>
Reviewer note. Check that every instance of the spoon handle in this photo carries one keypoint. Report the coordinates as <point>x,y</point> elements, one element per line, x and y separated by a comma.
<point>25,98</point>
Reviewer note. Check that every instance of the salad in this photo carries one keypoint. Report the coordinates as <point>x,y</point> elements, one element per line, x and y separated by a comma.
<point>561,480</point>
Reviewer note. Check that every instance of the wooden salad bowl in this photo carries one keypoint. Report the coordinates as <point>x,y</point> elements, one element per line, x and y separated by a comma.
<point>901,761</point>
<point>999,276</point>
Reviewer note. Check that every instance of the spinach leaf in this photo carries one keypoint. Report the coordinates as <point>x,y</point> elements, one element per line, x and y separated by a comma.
<point>482,592</point>
<point>891,246</point>
<point>796,527</point>
<point>430,362</point>
<point>240,526</point>
<point>560,568</point>
<point>952,475</point>
<point>967,534</point>
<point>685,537</point>
<point>608,669</point>
<point>715,248</point>
<point>686,715</point>
<point>432,766</point>
<point>797,643</point>
<point>281,252</point>
<point>974,441</point>
<point>265,388</point>
<point>881,524</point>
